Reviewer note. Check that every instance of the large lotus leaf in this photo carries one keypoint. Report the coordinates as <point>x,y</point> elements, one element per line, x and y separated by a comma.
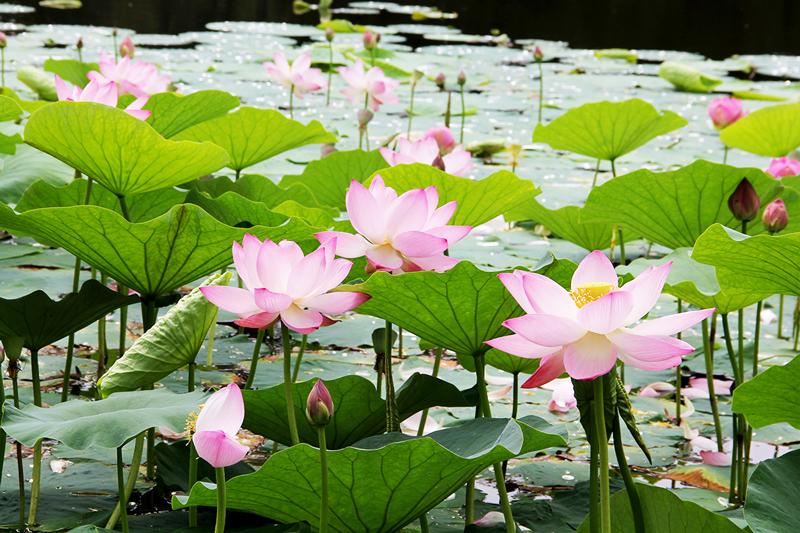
<point>511,363</point>
<point>674,208</point>
<point>71,70</point>
<point>152,257</point>
<point>172,112</point>
<point>696,283</point>
<point>773,131</point>
<point>664,512</point>
<point>141,207</point>
<point>771,397</point>
<point>39,81</point>
<point>9,109</point>
<point>41,321</point>
<point>251,135</point>
<point>566,223</point>
<point>380,484</point>
<point>235,210</point>
<point>772,496</point>
<point>322,217</point>
<point>687,78</point>
<point>27,166</point>
<point>459,309</point>
<point>122,153</point>
<point>107,423</point>
<point>764,263</point>
<point>607,130</point>
<point>360,410</point>
<point>330,176</point>
<point>172,343</point>
<point>479,201</point>
<point>257,188</point>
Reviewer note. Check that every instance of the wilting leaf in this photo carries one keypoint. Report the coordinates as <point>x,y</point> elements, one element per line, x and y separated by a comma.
<point>106,423</point>
<point>41,321</point>
<point>664,512</point>
<point>566,223</point>
<point>479,201</point>
<point>772,497</point>
<point>251,135</point>
<point>71,70</point>
<point>152,257</point>
<point>607,130</point>
<point>172,112</point>
<point>773,131</point>
<point>771,397</point>
<point>38,81</point>
<point>123,153</point>
<point>330,176</point>
<point>414,474</point>
<point>360,410</point>
<point>687,78</point>
<point>172,343</point>
<point>9,109</point>
<point>674,208</point>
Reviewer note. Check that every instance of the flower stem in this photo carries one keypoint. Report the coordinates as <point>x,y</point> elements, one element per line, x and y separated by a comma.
<point>757,337</point>
<point>212,332</point>
<point>463,116</point>
<point>190,379</point>
<point>323,472</point>
<point>678,378</point>
<point>133,474</point>
<point>392,417</point>
<point>411,108</point>
<point>192,481</point>
<point>447,111</point>
<point>251,375</point>
<point>596,172</point>
<point>76,279</point>
<point>602,455</point>
<point>630,484</point>
<point>219,526</point>
<point>780,316</point>
<point>291,101</point>
<point>13,371</point>
<point>301,351</point>
<point>594,482</point>
<point>123,500</point>
<point>424,417</point>
<point>541,92</point>
<point>3,68</point>
<point>330,74</point>
<point>37,448</point>
<point>725,154</point>
<point>102,345</point>
<point>708,355</point>
<point>286,337</point>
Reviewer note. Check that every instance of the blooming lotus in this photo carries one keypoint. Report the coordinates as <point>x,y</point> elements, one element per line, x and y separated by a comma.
<point>298,76</point>
<point>403,233</point>
<point>437,147</point>
<point>138,78</point>
<point>219,421</point>
<point>563,397</point>
<point>782,167</point>
<point>585,330</point>
<point>725,111</point>
<point>101,93</point>
<point>281,282</point>
<point>372,86</point>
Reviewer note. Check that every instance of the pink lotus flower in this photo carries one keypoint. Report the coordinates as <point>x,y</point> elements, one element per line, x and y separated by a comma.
<point>100,93</point>
<point>219,421</point>
<point>725,111</point>
<point>127,48</point>
<point>436,146</point>
<point>782,167</point>
<point>584,331</point>
<point>280,282</point>
<point>298,77</point>
<point>372,86</point>
<point>138,78</point>
<point>657,389</point>
<point>403,233</point>
<point>698,388</point>
<point>563,397</point>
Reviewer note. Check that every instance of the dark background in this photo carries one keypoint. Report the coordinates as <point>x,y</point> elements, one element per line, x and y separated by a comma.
<point>715,28</point>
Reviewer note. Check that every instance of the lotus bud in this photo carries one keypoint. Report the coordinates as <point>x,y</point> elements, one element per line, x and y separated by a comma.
<point>462,78</point>
<point>440,79</point>
<point>371,40</point>
<point>114,32</point>
<point>364,118</point>
<point>438,162</point>
<point>126,48</point>
<point>329,34</point>
<point>775,217</point>
<point>319,406</point>
<point>79,44</point>
<point>327,149</point>
<point>725,111</point>
<point>3,40</point>
<point>744,203</point>
<point>299,7</point>
<point>538,55</point>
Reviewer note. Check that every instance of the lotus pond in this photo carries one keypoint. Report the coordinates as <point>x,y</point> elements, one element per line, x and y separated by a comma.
<point>338,277</point>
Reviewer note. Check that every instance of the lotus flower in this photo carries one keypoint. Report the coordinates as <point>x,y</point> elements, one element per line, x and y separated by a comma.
<point>298,77</point>
<point>584,331</point>
<point>403,233</point>
<point>436,144</point>
<point>219,421</point>
<point>657,389</point>
<point>100,93</point>
<point>138,78</point>
<point>725,111</point>
<point>775,217</point>
<point>280,282</point>
<point>563,397</point>
<point>782,167</point>
<point>371,85</point>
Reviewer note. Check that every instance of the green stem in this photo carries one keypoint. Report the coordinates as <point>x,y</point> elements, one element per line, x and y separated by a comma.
<point>399,342</point>
<point>102,344</point>
<point>757,337</point>
<point>602,450</point>
<point>596,172</point>
<point>732,499</point>
<point>251,375</point>
<point>726,330</point>
<point>622,259</point>
<point>133,474</point>
<point>2,431</point>
<point>299,360</point>
<point>411,109</point>
<point>123,500</point>
<point>149,318</point>
<point>219,526</point>
<point>323,472</point>
<point>541,92</point>
<point>594,482</point>
<point>678,378</point>
<point>212,332</point>
<point>725,154</point>
<point>392,417</point>
<point>37,448</point>
<point>469,503</point>
<point>291,101</point>
<point>630,484</point>
<point>123,323</point>
<point>780,316</point>
<point>286,337</point>
<point>740,351</point>
<point>708,355</point>
<point>3,68</point>
<point>76,278</point>
<point>238,173</point>
<point>515,396</point>
<point>424,417</point>
<point>463,116</point>
<point>330,74</point>
<point>192,480</point>
<point>447,110</point>
<point>190,379</point>
<point>13,373</point>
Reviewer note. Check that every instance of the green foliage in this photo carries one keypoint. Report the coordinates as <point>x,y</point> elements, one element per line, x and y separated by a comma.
<point>687,78</point>
<point>172,112</point>
<point>566,223</point>
<point>38,81</point>
<point>771,397</point>
<point>71,70</point>
<point>773,131</point>
<point>772,497</point>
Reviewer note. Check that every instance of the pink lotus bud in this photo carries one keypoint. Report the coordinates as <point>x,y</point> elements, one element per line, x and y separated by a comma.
<point>326,149</point>
<point>371,40</point>
<point>775,217</point>
<point>744,203</point>
<point>782,167</point>
<point>126,48</point>
<point>725,111</point>
<point>462,78</point>
<point>329,34</point>
<point>538,55</point>
<point>440,79</point>
<point>79,44</point>
<point>364,117</point>
<point>3,40</point>
<point>319,406</point>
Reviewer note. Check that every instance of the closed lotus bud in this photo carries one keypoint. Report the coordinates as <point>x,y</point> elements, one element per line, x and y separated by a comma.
<point>462,78</point>
<point>440,79</point>
<point>319,405</point>
<point>114,32</point>
<point>744,203</point>
<point>725,111</point>
<point>329,34</point>
<point>438,162</point>
<point>79,44</point>
<point>364,117</point>
<point>775,217</point>
<point>371,40</point>
<point>327,149</point>
<point>538,55</point>
<point>3,40</point>
<point>126,48</point>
